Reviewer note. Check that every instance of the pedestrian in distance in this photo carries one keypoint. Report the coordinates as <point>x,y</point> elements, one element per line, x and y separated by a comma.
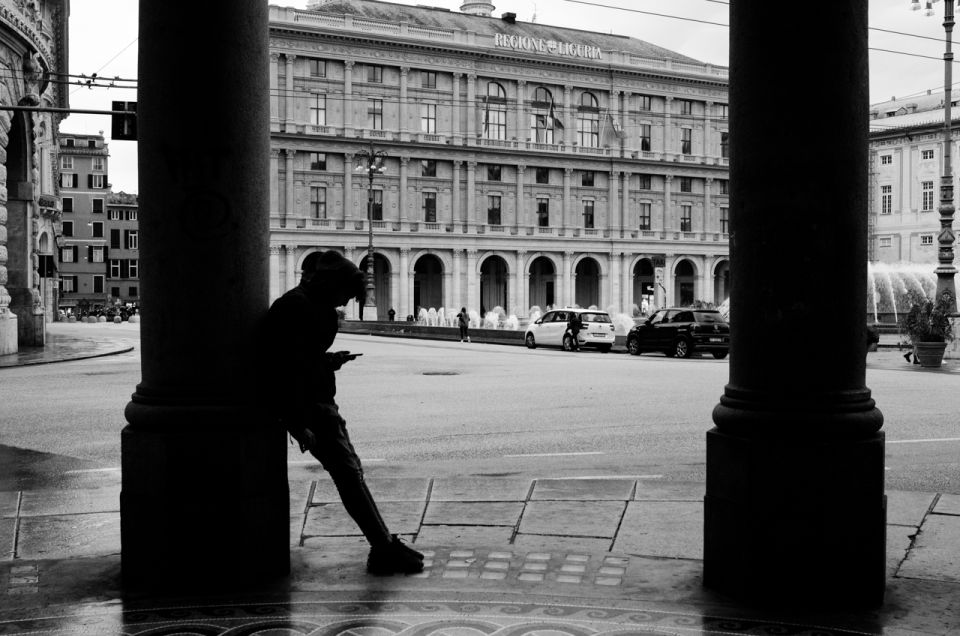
<point>573,328</point>
<point>464,321</point>
<point>299,369</point>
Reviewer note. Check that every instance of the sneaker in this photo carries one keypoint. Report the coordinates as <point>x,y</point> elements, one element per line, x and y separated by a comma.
<point>394,558</point>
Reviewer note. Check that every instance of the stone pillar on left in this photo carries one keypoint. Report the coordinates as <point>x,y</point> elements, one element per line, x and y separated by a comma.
<point>204,497</point>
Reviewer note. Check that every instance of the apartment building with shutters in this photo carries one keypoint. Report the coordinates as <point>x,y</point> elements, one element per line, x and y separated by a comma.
<point>84,247</point>
<point>526,164</point>
<point>123,250</point>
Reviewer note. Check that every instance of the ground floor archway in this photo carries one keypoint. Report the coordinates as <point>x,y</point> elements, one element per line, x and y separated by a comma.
<point>427,284</point>
<point>493,284</point>
<point>381,284</point>
<point>643,285</point>
<point>543,283</point>
<point>684,283</point>
<point>587,292</point>
<point>721,282</point>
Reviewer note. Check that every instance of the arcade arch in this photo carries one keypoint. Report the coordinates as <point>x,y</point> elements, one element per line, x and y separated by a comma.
<point>427,283</point>
<point>543,283</point>
<point>587,282</point>
<point>494,275</point>
<point>684,275</point>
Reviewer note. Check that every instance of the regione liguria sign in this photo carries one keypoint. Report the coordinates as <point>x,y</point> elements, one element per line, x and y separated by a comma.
<point>539,45</point>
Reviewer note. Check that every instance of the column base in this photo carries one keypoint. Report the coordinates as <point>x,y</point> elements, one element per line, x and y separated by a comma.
<point>202,505</point>
<point>796,522</point>
<point>31,327</point>
<point>8,332</point>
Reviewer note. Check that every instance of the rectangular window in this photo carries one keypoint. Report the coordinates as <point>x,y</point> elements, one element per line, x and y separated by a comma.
<point>724,186</point>
<point>133,239</point>
<point>375,74</point>
<point>430,207</point>
<point>96,229</point>
<point>428,79</point>
<point>588,214</point>
<point>114,215</point>
<point>68,180</point>
<point>587,178</point>
<point>69,142</point>
<point>493,172</point>
<point>725,220</point>
<point>725,145</point>
<point>926,239</point>
<point>134,269</point>
<point>131,215</point>
<point>644,182</point>
<point>493,210</point>
<point>318,68</point>
<point>926,193</point>
<point>115,239</point>
<point>98,283</point>
<point>67,254</point>
<point>686,140</point>
<point>115,292</point>
<point>723,111</point>
<point>886,199</point>
<point>66,162</point>
<point>114,268</point>
<point>97,206</point>
<point>377,212</point>
<point>686,184</point>
<point>428,168</point>
<point>644,214</point>
<point>428,118</point>
<point>686,218</point>
<point>68,284</point>
<point>91,143</point>
<point>375,114</point>
<point>543,212</point>
<point>495,122</point>
<point>318,203</point>
<point>645,137</point>
<point>318,110</point>
<point>98,163</point>
<point>98,181</point>
<point>926,154</point>
<point>886,241</point>
<point>134,291</point>
<point>67,228</point>
<point>68,204</point>
<point>643,102</point>
<point>886,160</point>
<point>543,175</point>
<point>97,253</point>
<point>318,161</point>
<point>686,106</point>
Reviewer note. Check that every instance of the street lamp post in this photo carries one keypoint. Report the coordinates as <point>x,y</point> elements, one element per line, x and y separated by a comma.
<point>945,271</point>
<point>372,162</point>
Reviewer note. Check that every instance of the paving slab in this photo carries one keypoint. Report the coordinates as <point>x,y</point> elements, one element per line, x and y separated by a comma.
<point>662,528</point>
<point>908,508</point>
<point>899,540</point>
<point>655,490</point>
<point>464,535</point>
<point>948,505</point>
<point>572,518</point>
<point>583,489</point>
<point>68,536</point>
<point>383,490</point>
<point>402,517</point>
<point>564,544</point>
<point>9,502</point>
<point>8,529</point>
<point>483,513</point>
<point>935,555</point>
<point>480,489</point>
<point>299,493</point>
<point>68,502</point>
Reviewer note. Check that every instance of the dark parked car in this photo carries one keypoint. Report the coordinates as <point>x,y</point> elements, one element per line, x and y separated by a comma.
<point>681,332</point>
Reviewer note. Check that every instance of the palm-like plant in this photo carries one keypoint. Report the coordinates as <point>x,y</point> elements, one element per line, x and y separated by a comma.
<point>928,320</point>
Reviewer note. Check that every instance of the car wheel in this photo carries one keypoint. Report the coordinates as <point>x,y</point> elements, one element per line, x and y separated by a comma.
<point>604,348</point>
<point>719,355</point>
<point>567,343</point>
<point>530,342</point>
<point>633,346</point>
<point>681,348</point>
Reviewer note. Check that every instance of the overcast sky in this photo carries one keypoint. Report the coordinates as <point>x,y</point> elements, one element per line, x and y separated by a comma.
<point>103,36</point>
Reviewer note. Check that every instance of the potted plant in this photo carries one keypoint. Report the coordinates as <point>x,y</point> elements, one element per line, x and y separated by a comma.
<point>927,326</point>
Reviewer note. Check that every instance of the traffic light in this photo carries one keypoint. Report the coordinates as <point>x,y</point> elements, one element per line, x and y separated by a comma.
<point>124,124</point>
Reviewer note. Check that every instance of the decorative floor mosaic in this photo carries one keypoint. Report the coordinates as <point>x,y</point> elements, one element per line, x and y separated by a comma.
<point>402,618</point>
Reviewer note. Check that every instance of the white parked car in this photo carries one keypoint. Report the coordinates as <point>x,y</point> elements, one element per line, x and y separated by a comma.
<point>551,330</point>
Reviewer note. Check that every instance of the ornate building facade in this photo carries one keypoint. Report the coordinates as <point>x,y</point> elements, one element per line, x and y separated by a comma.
<point>525,165</point>
<point>33,54</point>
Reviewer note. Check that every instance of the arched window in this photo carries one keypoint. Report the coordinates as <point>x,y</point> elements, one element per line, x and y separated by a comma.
<point>588,121</point>
<point>543,118</point>
<point>495,112</point>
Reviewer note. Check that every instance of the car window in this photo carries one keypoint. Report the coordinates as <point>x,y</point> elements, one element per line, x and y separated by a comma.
<point>595,317</point>
<point>683,316</point>
<point>708,316</point>
<point>658,317</point>
<point>561,316</point>
<point>547,317</point>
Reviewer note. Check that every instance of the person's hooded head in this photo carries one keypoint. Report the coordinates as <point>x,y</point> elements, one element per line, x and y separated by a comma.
<point>329,277</point>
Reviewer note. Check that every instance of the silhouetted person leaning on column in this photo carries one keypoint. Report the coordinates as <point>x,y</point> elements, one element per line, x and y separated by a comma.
<point>299,373</point>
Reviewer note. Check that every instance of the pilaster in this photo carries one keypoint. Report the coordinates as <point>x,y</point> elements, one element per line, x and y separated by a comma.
<point>290,100</point>
<point>348,98</point>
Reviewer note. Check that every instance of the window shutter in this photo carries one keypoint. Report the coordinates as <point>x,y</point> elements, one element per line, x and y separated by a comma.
<point>115,239</point>
<point>89,180</point>
<point>89,253</point>
<point>106,180</point>
<point>60,254</point>
<point>126,239</point>
<point>125,268</point>
<point>76,256</point>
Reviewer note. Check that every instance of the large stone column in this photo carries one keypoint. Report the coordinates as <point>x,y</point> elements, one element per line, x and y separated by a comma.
<point>204,495</point>
<point>795,505</point>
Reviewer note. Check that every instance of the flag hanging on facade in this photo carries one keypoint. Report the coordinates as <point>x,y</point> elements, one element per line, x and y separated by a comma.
<point>555,123</point>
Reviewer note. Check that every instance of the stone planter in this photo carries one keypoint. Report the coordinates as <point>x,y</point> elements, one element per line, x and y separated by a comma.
<point>930,354</point>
